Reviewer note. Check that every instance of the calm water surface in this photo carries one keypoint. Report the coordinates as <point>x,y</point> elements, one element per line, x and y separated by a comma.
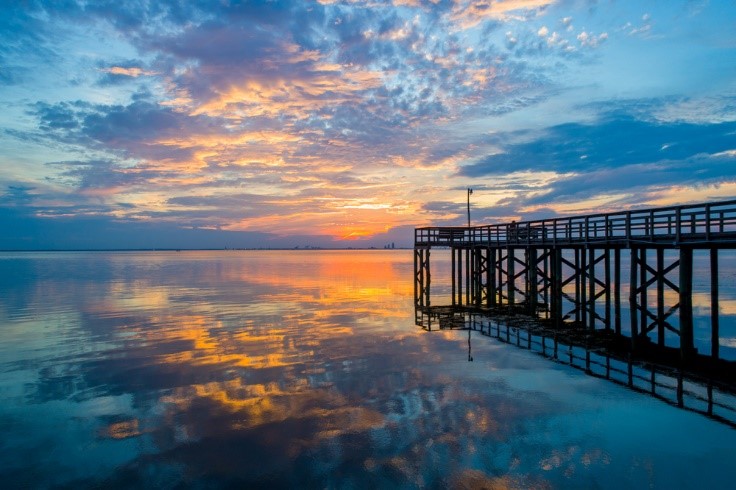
<point>302,369</point>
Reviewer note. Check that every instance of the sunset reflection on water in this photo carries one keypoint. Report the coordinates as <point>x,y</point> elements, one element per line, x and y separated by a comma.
<point>299,368</point>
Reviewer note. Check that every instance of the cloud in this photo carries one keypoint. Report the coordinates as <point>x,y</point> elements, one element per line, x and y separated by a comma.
<point>75,231</point>
<point>132,129</point>
<point>613,142</point>
<point>590,39</point>
<point>635,183</point>
<point>123,72</point>
<point>617,161</point>
<point>329,117</point>
<point>643,29</point>
<point>469,13</point>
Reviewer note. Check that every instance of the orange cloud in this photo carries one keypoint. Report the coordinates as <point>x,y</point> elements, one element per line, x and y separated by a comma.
<point>469,13</point>
<point>133,72</point>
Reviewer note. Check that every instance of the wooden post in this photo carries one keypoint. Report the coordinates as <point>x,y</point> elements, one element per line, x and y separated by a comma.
<point>686,303</point>
<point>643,304</point>
<point>583,300</point>
<point>547,280</point>
<point>452,275</point>
<point>460,276</point>
<point>421,277</point>
<point>714,313</point>
<point>478,276</point>
<point>617,291</point>
<point>416,279</point>
<point>499,283</point>
<point>633,286</point>
<point>607,280</point>
<point>491,277</point>
<point>429,279</point>
<point>577,284</point>
<point>468,273</point>
<point>591,288</point>
<point>660,297</point>
<point>556,276</point>
<point>531,269</point>
<point>510,283</point>
<point>474,276</point>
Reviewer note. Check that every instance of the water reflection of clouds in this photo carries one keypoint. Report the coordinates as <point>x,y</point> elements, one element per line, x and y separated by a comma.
<point>243,371</point>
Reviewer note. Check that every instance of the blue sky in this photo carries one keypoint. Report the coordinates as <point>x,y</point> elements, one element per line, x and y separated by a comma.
<point>339,123</point>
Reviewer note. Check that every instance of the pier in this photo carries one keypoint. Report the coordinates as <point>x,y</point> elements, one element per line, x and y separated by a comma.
<point>622,281</point>
<point>582,271</point>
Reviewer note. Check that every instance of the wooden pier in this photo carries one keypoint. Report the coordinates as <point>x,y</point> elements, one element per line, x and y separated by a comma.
<point>616,286</point>
<point>588,271</point>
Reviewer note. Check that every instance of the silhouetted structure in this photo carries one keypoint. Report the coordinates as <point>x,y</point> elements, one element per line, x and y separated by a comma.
<point>570,275</point>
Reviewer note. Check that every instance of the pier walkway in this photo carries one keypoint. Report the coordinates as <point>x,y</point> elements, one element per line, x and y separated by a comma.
<point>699,226</point>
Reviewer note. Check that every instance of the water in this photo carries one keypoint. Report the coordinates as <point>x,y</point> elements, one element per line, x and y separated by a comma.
<point>302,369</point>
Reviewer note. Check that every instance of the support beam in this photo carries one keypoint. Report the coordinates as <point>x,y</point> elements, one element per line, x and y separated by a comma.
<point>687,348</point>
<point>452,275</point>
<point>532,292</point>
<point>491,278</point>
<point>510,276</point>
<point>591,288</point>
<point>617,290</point>
<point>660,297</point>
<point>607,280</point>
<point>714,307</point>
<point>583,299</point>
<point>416,280</point>
<point>633,287</point>
<point>468,274</point>
<point>544,281</point>
<point>459,276</point>
<point>556,275</point>
<point>576,273</point>
<point>643,291</point>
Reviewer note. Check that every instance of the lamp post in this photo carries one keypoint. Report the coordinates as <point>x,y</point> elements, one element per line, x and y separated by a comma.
<point>470,191</point>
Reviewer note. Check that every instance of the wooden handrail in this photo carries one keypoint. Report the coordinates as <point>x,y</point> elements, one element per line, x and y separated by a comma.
<point>704,222</point>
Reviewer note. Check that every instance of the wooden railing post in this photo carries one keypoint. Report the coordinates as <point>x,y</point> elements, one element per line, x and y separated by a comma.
<point>707,221</point>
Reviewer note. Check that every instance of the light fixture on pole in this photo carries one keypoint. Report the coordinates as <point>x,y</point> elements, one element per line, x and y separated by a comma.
<point>470,191</point>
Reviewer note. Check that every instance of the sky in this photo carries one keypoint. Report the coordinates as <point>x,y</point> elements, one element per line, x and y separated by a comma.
<point>211,124</point>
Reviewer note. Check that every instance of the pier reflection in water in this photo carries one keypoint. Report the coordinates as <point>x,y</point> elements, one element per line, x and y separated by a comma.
<point>681,386</point>
<point>301,369</point>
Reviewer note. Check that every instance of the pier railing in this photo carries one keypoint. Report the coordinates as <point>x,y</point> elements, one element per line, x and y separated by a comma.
<point>694,225</point>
